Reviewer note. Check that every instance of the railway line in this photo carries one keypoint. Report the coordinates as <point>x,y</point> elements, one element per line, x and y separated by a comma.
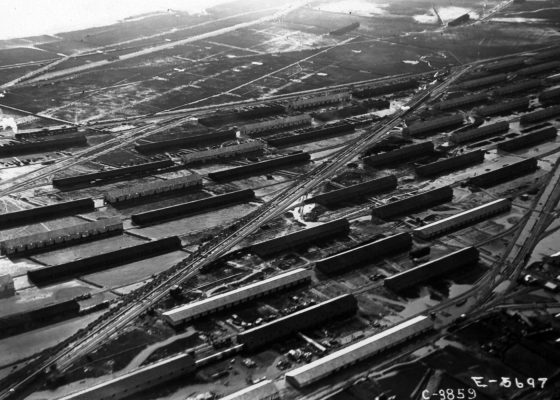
<point>146,297</point>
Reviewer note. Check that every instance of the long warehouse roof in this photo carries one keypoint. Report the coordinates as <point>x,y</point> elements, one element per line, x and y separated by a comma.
<point>339,359</point>
<point>191,310</point>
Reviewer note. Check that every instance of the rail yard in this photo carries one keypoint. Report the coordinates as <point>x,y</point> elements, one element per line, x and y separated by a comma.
<point>319,200</point>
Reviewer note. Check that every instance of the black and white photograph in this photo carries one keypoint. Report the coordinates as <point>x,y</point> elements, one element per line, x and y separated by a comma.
<point>279,200</point>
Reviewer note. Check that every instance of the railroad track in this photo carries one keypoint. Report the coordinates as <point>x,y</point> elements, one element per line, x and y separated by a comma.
<point>136,303</point>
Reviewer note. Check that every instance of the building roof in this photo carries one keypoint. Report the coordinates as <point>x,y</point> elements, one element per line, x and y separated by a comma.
<point>260,391</point>
<point>187,311</point>
<point>358,351</point>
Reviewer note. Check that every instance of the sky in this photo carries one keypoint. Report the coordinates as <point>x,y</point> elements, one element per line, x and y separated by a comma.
<point>20,18</point>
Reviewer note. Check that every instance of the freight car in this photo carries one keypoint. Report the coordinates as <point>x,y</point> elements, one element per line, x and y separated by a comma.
<point>550,96</point>
<point>127,385</point>
<point>364,92</point>
<point>153,188</point>
<point>314,101</point>
<point>10,150</point>
<point>503,108</point>
<point>43,213</point>
<point>317,370</point>
<point>259,167</point>
<point>260,128</point>
<point>95,178</point>
<point>479,133</point>
<point>529,139</point>
<point>72,234</point>
<point>504,174</point>
<point>518,87</point>
<point>400,155</point>
<point>44,275</point>
<point>221,153</point>
<point>29,315</point>
<point>461,101</point>
<point>355,192</point>
<point>301,238</point>
<point>192,207</point>
<point>463,219</point>
<point>541,115</point>
<point>482,82</point>
<point>539,68</point>
<point>191,311</point>
<point>319,133</point>
<point>260,336</point>
<point>370,252</point>
<point>264,390</point>
<point>463,258</point>
<point>186,142</point>
<point>434,125</point>
<point>418,202</point>
<point>451,164</point>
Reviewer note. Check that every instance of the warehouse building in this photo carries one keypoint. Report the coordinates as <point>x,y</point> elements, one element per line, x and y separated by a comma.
<point>550,96</point>
<point>434,125</point>
<point>221,153</point>
<point>541,115</point>
<point>72,234</point>
<point>459,259</point>
<point>141,190</point>
<point>463,19</point>
<point>24,316</point>
<point>260,127</point>
<point>188,312</point>
<point>310,317</point>
<point>301,238</point>
<point>186,142</point>
<point>370,252</point>
<point>87,265</point>
<point>343,112</point>
<point>505,65</point>
<point>529,139</point>
<point>461,101</point>
<point>95,178</point>
<point>451,164</point>
<point>539,68</point>
<point>310,134</point>
<point>7,288</point>
<point>479,133</point>
<point>192,207</point>
<point>47,131</point>
<point>463,219</point>
<point>482,82</point>
<point>503,108</point>
<point>504,174</point>
<point>355,192</point>
<point>405,153</point>
<point>363,92</point>
<point>140,380</point>
<point>59,143</point>
<point>518,87</point>
<point>260,167</point>
<point>415,203</point>
<point>52,211</point>
<point>265,390</point>
<point>314,101</point>
<point>344,358</point>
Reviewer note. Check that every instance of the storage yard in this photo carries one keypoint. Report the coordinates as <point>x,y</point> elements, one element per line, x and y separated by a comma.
<point>282,201</point>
